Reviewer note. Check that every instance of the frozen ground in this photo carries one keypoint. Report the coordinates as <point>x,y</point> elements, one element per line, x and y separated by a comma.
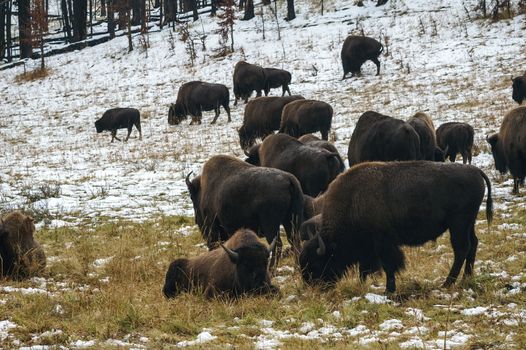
<point>441,62</point>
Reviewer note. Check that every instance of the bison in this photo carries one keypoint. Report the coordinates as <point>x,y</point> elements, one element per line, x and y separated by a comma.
<point>231,194</point>
<point>305,116</point>
<point>119,118</point>
<point>314,168</point>
<point>455,137</point>
<point>20,255</point>
<point>519,89</point>
<point>425,129</point>
<point>262,116</point>
<point>509,146</point>
<point>247,78</point>
<point>276,78</point>
<point>195,97</point>
<point>380,137</point>
<point>239,267</point>
<point>314,141</point>
<point>374,208</point>
<point>358,49</point>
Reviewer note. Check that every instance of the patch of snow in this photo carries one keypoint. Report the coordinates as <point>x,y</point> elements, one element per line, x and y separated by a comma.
<point>474,311</point>
<point>376,299</point>
<point>5,326</point>
<point>81,344</point>
<point>201,338</point>
<point>389,325</point>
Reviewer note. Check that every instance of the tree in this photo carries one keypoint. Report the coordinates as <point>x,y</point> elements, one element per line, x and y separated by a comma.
<point>249,10</point>
<point>3,28</point>
<point>111,20</point>
<point>65,19</point>
<point>39,26</point>
<point>24,28</point>
<point>226,24</point>
<point>291,12</point>
<point>78,23</point>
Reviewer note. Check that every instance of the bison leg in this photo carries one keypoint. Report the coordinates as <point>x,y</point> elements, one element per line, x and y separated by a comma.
<point>470,259</point>
<point>375,61</point>
<point>452,157</point>
<point>129,133</point>
<point>286,88</point>
<point>392,260</point>
<point>114,136</point>
<point>138,126</point>
<point>258,93</point>
<point>216,110</point>
<point>460,241</point>
<point>324,135</point>
<point>516,183</point>
<point>227,109</point>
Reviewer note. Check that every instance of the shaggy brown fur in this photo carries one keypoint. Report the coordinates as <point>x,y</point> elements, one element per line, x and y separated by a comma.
<point>119,118</point>
<point>454,138</point>
<point>314,141</point>
<point>305,116</point>
<point>425,129</point>
<point>358,49</point>
<point>247,78</point>
<point>20,255</point>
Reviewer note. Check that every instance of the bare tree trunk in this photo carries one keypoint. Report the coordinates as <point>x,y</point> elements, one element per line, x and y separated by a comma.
<point>136,7</point>
<point>111,20</point>
<point>24,28</point>
<point>65,19</point>
<point>128,23</point>
<point>291,13</point>
<point>91,17</point>
<point>249,10</point>
<point>161,14</point>
<point>195,15</point>
<point>143,16</point>
<point>3,29</point>
<point>102,8</point>
<point>79,20</point>
<point>8,38</point>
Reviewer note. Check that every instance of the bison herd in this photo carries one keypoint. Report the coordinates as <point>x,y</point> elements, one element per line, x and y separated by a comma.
<point>397,192</point>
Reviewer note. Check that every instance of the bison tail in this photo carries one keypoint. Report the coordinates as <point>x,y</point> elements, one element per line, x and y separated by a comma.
<point>381,49</point>
<point>296,212</point>
<point>489,200</point>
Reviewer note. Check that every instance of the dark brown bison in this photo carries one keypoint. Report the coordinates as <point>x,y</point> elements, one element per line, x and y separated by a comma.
<point>425,129</point>
<point>380,137</point>
<point>276,78</point>
<point>119,118</point>
<point>455,137</point>
<point>315,168</point>
<point>509,146</point>
<point>314,141</point>
<point>239,267</point>
<point>195,97</point>
<point>231,194</point>
<point>20,255</point>
<point>262,116</point>
<point>374,208</point>
<point>247,78</point>
<point>358,49</point>
<point>305,116</point>
<point>519,89</point>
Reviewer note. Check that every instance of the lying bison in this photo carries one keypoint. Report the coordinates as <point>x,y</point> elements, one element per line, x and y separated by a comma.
<point>454,138</point>
<point>380,137</point>
<point>425,129</point>
<point>262,116</point>
<point>509,146</point>
<point>276,78</point>
<point>239,267</point>
<point>314,168</point>
<point>519,89</point>
<point>20,255</point>
<point>195,97</point>
<point>305,116</point>
<point>313,141</point>
<point>247,78</point>
<point>231,194</point>
<point>374,208</point>
<point>358,49</point>
<point>119,118</point>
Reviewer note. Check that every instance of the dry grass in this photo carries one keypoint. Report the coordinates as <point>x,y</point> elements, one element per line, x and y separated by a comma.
<point>34,75</point>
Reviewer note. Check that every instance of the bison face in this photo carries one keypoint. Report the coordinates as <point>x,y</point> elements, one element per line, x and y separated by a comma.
<point>498,154</point>
<point>252,269</point>
<point>317,262</point>
<point>245,141</point>
<point>176,114</point>
<point>253,155</point>
<point>194,188</point>
<point>519,89</point>
<point>439,155</point>
<point>99,125</point>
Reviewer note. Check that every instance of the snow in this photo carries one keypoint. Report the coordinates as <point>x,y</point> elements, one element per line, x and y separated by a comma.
<point>202,338</point>
<point>376,299</point>
<point>389,325</point>
<point>5,326</point>
<point>474,311</point>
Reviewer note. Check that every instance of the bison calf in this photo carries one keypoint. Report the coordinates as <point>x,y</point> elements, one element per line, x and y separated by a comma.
<point>454,138</point>
<point>20,255</point>
<point>519,89</point>
<point>276,78</point>
<point>358,49</point>
<point>305,116</point>
<point>509,146</point>
<point>119,118</point>
<point>247,78</point>
<point>240,266</point>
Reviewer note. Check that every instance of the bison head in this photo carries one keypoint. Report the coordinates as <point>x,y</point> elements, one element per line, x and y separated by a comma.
<point>176,113</point>
<point>519,89</point>
<point>498,153</point>
<point>439,154</point>
<point>99,125</point>
<point>253,155</point>
<point>245,139</point>
<point>251,263</point>
<point>317,262</point>
<point>194,187</point>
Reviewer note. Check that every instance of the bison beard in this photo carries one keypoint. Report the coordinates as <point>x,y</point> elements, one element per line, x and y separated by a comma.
<point>374,208</point>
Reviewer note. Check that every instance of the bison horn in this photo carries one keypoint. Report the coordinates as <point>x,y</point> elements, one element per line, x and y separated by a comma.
<point>246,153</point>
<point>272,245</point>
<point>234,256</point>
<point>188,183</point>
<point>321,249</point>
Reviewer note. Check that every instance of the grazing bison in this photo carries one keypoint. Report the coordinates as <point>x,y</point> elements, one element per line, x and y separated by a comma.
<point>314,168</point>
<point>509,146</point>
<point>314,141</point>
<point>239,267</point>
<point>425,129</point>
<point>119,118</point>
<point>276,78</point>
<point>379,137</point>
<point>358,49</point>
<point>519,89</point>
<point>247,78</point>
<point>262,117</point>
<point>20,255</point>
<point>374,208</point>
<point>305,116</point>
<point>455,137</point>
<point>195,97</point>
<point>231,194</point>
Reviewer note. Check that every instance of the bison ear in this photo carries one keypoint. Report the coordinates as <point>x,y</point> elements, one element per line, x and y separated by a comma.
<point>233,255</point>
<point>191,187</point>
<point>492,140</point>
